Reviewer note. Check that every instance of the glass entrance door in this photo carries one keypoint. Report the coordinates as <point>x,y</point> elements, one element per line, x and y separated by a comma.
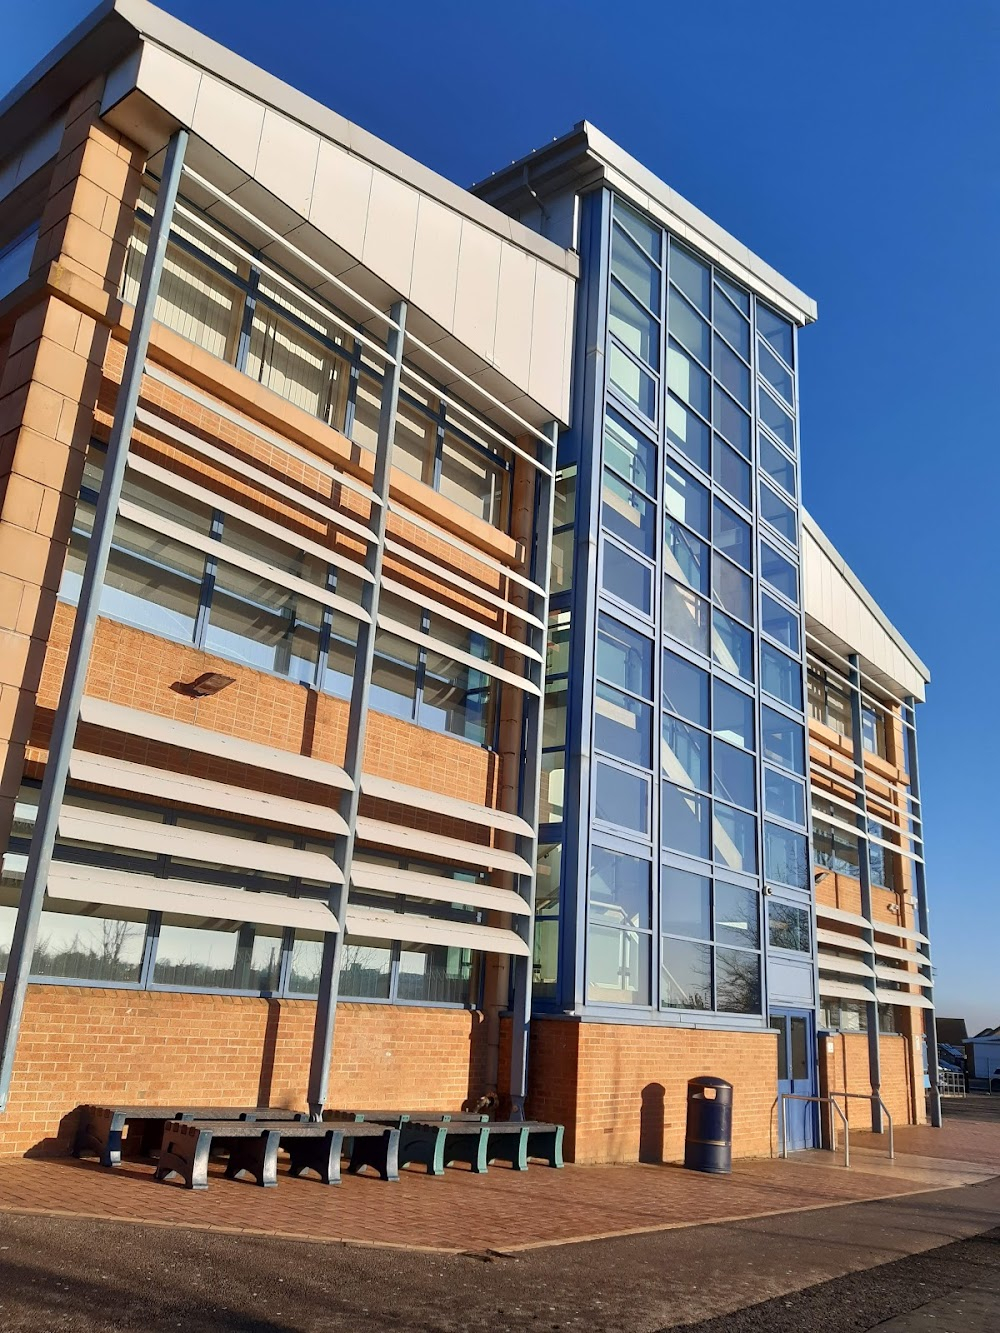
<point>797,1073</point>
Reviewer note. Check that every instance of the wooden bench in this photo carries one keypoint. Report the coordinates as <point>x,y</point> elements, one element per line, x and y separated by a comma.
<point>253,1148</point>
<point>101,1128</point>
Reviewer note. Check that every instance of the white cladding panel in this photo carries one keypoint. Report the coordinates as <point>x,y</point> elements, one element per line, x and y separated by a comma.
<point>379,219</point>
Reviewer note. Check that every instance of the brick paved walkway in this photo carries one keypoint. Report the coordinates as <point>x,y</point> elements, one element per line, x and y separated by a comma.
<point>499,1211</point>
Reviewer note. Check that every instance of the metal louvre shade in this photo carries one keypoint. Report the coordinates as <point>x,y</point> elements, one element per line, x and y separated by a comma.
<point>313,461</point>
<point>900,974</point>
<point>903,955</point>
<point>906,998</point>
<point>386,789</point>
<point>437,888</point>
<point>845,990</point>
<point>150,421</point>
<point>293,540</point>
<point>851,965</point>
<point>213,902</point>
<point>228,555</point>
<point>202,740</point>
<point>367,921</point>
<point>882,928</point>
<point>838,941</point>
<point>448,613</point>
<point>122,775</point>
<point>434,845</point>
<point>113,829</point>
<point>449,651</point>
<point>838,914</point>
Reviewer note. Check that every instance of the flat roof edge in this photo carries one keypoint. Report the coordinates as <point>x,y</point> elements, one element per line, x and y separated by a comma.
<point>810,525</point>
<point>609,157</point>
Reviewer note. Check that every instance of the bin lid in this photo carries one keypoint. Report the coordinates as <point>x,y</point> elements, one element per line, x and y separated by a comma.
<point>706,1081</point>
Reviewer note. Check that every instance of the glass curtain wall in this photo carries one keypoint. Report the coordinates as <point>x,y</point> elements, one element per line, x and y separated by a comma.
<point>697,792</point>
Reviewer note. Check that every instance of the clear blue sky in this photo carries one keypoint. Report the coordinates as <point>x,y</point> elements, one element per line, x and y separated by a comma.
<point>854,146</point>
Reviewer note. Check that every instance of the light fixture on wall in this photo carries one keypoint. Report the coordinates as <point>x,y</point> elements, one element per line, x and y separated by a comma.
<point>205,685</point>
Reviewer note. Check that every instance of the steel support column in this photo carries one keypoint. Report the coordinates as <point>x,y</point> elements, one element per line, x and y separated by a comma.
<point>531,777</point>
<point>357,721</point>
<point>865,872</point>
<point>923,910</point>
<point>84,626</point>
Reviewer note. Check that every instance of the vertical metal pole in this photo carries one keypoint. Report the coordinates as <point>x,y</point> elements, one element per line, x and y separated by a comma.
<point>923,910</point>
<point>357,721</point>
<point>84,626</point>
<point>865,871</point>
<point>532,780</point>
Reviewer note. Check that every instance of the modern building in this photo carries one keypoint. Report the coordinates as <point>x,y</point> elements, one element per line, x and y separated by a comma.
<point>405,613</point>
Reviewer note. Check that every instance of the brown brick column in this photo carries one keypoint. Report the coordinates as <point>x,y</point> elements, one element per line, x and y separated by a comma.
<point>49,384</point>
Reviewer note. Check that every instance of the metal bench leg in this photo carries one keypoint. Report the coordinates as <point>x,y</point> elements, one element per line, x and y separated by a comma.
<point>547,1144</point>
<point>510,1146</point>
<point>185,1154</point>
<point>381,1153</point>
<point>257,1156</point>
<point>424,1144</point>
<point>471,1148</point>
<point>321,1155</point>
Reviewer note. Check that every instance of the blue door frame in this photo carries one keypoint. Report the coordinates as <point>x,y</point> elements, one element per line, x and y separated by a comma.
<point>797,1073</point>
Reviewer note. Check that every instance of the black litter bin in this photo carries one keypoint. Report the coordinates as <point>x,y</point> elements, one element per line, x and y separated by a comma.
<point>708,1142</point>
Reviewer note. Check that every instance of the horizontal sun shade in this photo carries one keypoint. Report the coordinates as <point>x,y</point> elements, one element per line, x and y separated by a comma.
<point>437,889</point>
<point>852,965</point>
<point>114,888</point>
<point>448,575</point>
<point>121,775</point>
<point>111,828</point>
<point>883,928</point>
<point>293,540</point>
<point>904,955</point>
<point>845,990</point>
<point>901,975</point>
<point>435,845</point>
<point>424,930</point>
<point>150,421</point>
<point>442,534</point>
<point>384,789</point>
<point>838,941</point>
<point>202,740</point>
<point>450,615</point>
<point>312,461</point>
<point>906,998</point>
<point>166,527</point>
<point>448,650</point>
<point>837,914</point>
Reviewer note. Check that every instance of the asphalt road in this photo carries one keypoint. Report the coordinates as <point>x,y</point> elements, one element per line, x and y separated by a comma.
<point>64,1274</point>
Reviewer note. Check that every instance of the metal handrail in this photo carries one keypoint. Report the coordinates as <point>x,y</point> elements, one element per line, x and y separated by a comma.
<point>782,1100</point>
<point>873,1097</point>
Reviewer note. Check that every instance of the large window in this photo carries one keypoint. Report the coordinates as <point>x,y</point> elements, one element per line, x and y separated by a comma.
<point>620,928</point>
<point>90,943</point>
<point>710,947</point>
<point>15,259</point>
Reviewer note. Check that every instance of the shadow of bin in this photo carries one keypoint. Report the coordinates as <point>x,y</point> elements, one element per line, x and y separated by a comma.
<point>708,1141</point>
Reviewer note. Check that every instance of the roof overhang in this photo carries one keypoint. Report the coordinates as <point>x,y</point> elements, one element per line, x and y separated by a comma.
<point>490,296</point>
<point>843,615</point>
<point>585,159</point>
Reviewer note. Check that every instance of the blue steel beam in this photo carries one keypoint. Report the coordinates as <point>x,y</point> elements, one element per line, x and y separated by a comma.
<point>84,626</point>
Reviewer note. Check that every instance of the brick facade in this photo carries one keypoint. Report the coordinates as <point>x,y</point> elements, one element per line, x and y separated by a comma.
<point>621,1089</point>
<point>82,1044</point>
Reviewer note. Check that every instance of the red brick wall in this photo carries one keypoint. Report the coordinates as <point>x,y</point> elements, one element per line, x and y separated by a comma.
<point>80,1044</point>
<point>623,1089</point>
<point>844,1068</point>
